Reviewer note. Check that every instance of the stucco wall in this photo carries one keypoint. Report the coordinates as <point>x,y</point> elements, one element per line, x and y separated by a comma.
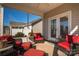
<point>14,31</point>
<point>25,30</point>
<point>75,19</point>
<point>61,9</point>
<point>38,27</point>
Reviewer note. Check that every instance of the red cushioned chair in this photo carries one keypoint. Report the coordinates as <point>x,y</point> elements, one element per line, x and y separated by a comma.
<point>65,44</point>
<point>18,47</point>
<point>69,44</point>
<point>17,43</point>
<point>3,38</point>
<point>38,37</point>
<point>7,38</point>
<point>34,52</point>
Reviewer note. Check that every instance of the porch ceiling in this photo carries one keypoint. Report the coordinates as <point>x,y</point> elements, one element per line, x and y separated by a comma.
<point>34,8</point>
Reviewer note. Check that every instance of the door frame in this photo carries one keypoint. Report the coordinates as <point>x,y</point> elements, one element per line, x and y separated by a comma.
<point>57,17</point>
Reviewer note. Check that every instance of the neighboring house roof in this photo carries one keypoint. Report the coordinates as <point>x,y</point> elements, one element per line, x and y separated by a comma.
<point>6,27</point>
<point>21,24</point>
<point>35,21</point>
<point>18,24</point>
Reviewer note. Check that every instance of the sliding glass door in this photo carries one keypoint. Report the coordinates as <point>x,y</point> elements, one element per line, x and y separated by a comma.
<point>59,26</point>
<point>63,26</point>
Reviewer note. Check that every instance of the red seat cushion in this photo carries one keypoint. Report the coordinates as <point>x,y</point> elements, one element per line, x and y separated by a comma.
<point>26,45</point>
<point>34,52</point>
<point>65,45</point>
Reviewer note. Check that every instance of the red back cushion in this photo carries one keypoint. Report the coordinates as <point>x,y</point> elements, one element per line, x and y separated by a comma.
<point>69,38</point>
<point>75,39</point>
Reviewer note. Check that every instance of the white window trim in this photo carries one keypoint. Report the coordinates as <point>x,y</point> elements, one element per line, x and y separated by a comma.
<point>57,17</point>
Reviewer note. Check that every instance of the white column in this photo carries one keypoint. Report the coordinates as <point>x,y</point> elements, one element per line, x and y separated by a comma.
<point>57,27</point>
<point>10,30</point>
<point>1,20</point>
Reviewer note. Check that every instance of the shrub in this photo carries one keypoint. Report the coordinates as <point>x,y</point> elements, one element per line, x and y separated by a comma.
<point>30,33</point>
<point>19,34</point>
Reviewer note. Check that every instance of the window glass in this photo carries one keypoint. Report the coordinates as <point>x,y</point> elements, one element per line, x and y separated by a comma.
<point>63,26</point>
<point>53,28</point>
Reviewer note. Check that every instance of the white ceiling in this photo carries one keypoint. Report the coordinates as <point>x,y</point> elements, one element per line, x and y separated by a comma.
<point>34,8</point>
<point>42,7</point>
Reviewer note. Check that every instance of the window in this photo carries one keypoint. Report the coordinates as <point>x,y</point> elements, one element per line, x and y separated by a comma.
<point>53,28</point>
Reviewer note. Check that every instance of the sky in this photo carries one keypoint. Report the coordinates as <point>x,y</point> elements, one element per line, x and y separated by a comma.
<point>11,14</point>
